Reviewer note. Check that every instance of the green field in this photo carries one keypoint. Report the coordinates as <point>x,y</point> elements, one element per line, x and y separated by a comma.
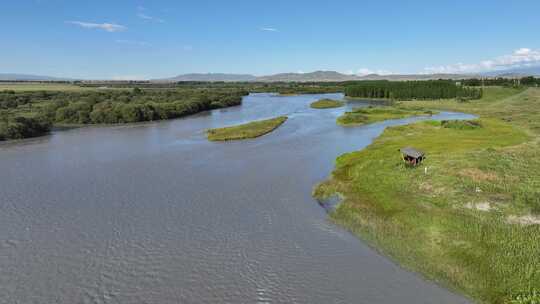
<point>469,216</point>
<point>34,86</point>
<point>327,104</point>
<point>362,116</point>
<point>245,131</point>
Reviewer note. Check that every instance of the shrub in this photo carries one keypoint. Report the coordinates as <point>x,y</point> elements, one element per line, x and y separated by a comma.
<point>461,124</point>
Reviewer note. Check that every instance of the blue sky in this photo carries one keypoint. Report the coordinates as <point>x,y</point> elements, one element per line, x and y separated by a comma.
<point>152,39</point>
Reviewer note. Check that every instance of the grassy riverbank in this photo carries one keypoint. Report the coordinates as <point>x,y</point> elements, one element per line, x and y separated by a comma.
<point>361,116</point>
<point>472,220</point>
<point>327,104</point>
<point>245,131</point>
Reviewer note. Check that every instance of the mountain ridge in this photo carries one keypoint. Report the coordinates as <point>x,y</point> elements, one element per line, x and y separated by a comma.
<point>209,77</point>
<point>316,76</point>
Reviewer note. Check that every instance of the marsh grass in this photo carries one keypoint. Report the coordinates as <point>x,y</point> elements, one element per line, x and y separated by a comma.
<point>360,116</point>
<point>245,131</point>
<point>422,217</point>
<point>327,104</point>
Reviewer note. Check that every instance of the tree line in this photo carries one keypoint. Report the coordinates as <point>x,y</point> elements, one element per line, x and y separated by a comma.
<point>529,81</point>
<point>403,90</point>
<point>29,114</point>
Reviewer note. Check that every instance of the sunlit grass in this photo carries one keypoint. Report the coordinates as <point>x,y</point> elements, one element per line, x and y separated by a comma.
<point>360,116</point>
<point>450,218</point>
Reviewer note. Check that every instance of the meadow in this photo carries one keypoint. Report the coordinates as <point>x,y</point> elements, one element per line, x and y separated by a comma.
<point>36,86</point>
<point>362,116</point>
<point>469,216</point>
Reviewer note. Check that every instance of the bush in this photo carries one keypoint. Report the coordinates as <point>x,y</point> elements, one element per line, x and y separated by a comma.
<point>23,127</point>
<point>461,124</point>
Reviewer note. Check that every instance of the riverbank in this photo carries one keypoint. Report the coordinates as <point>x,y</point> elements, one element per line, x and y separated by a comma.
<point>246,131</point>
<point>362,116</point>
<point>32,113</point>
<point>469,216</point>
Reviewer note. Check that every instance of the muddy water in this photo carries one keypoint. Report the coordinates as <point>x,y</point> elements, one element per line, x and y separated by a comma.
<point>154,213</point>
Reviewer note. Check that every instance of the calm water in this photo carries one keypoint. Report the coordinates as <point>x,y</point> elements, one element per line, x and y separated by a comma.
<point>154,213</point>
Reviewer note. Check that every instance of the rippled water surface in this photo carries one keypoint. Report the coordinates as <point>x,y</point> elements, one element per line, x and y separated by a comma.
<point>154,213</point>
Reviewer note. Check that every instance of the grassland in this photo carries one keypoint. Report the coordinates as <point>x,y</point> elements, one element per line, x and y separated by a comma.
<point>361,116</point>
<point>327,104</point>
<point>36,86</point>
<point>245,131</point>
<point>471,220</point>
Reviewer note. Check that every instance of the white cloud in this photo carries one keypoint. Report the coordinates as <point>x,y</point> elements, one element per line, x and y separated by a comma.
<point>269,29</point>
<point>109,27</point>
<point>366,71</point>
<point>519,58</point>
<point>141,14</point>
<point>149,18</point>
<point>133,42</point>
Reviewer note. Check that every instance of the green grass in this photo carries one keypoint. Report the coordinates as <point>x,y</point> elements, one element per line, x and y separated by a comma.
<point>30,86</point>
<point>327,104</point>
<point>361,116</point>
<point>532,297</point>
<point>245,131</point>
<point>464,222</point>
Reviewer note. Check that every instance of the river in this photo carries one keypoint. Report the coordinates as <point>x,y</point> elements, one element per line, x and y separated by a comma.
<point>154,213</point>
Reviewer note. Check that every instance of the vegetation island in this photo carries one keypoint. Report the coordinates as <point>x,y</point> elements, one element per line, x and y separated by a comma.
<point>361,116</point>
<point>327,104</point>
<point>245,131</point>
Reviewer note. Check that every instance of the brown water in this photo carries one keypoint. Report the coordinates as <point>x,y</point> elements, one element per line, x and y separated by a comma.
<point>154,213</point>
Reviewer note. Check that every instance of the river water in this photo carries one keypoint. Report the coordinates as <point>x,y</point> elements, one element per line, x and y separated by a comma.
<point>154,213</point>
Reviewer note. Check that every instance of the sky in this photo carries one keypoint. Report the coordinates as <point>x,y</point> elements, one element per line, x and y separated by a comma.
<point>120,39</point>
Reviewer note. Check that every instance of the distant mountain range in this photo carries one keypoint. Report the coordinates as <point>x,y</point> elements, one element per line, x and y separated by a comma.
<point>321,76</point>
<point>317,76</point>
<point>307,77</point>
<point>515,72</point>
<point>210,77</point>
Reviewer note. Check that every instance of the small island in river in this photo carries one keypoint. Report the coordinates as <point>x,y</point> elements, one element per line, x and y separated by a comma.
<point>245,131</point>
<point>327,104</point>
<point>361,116</point>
